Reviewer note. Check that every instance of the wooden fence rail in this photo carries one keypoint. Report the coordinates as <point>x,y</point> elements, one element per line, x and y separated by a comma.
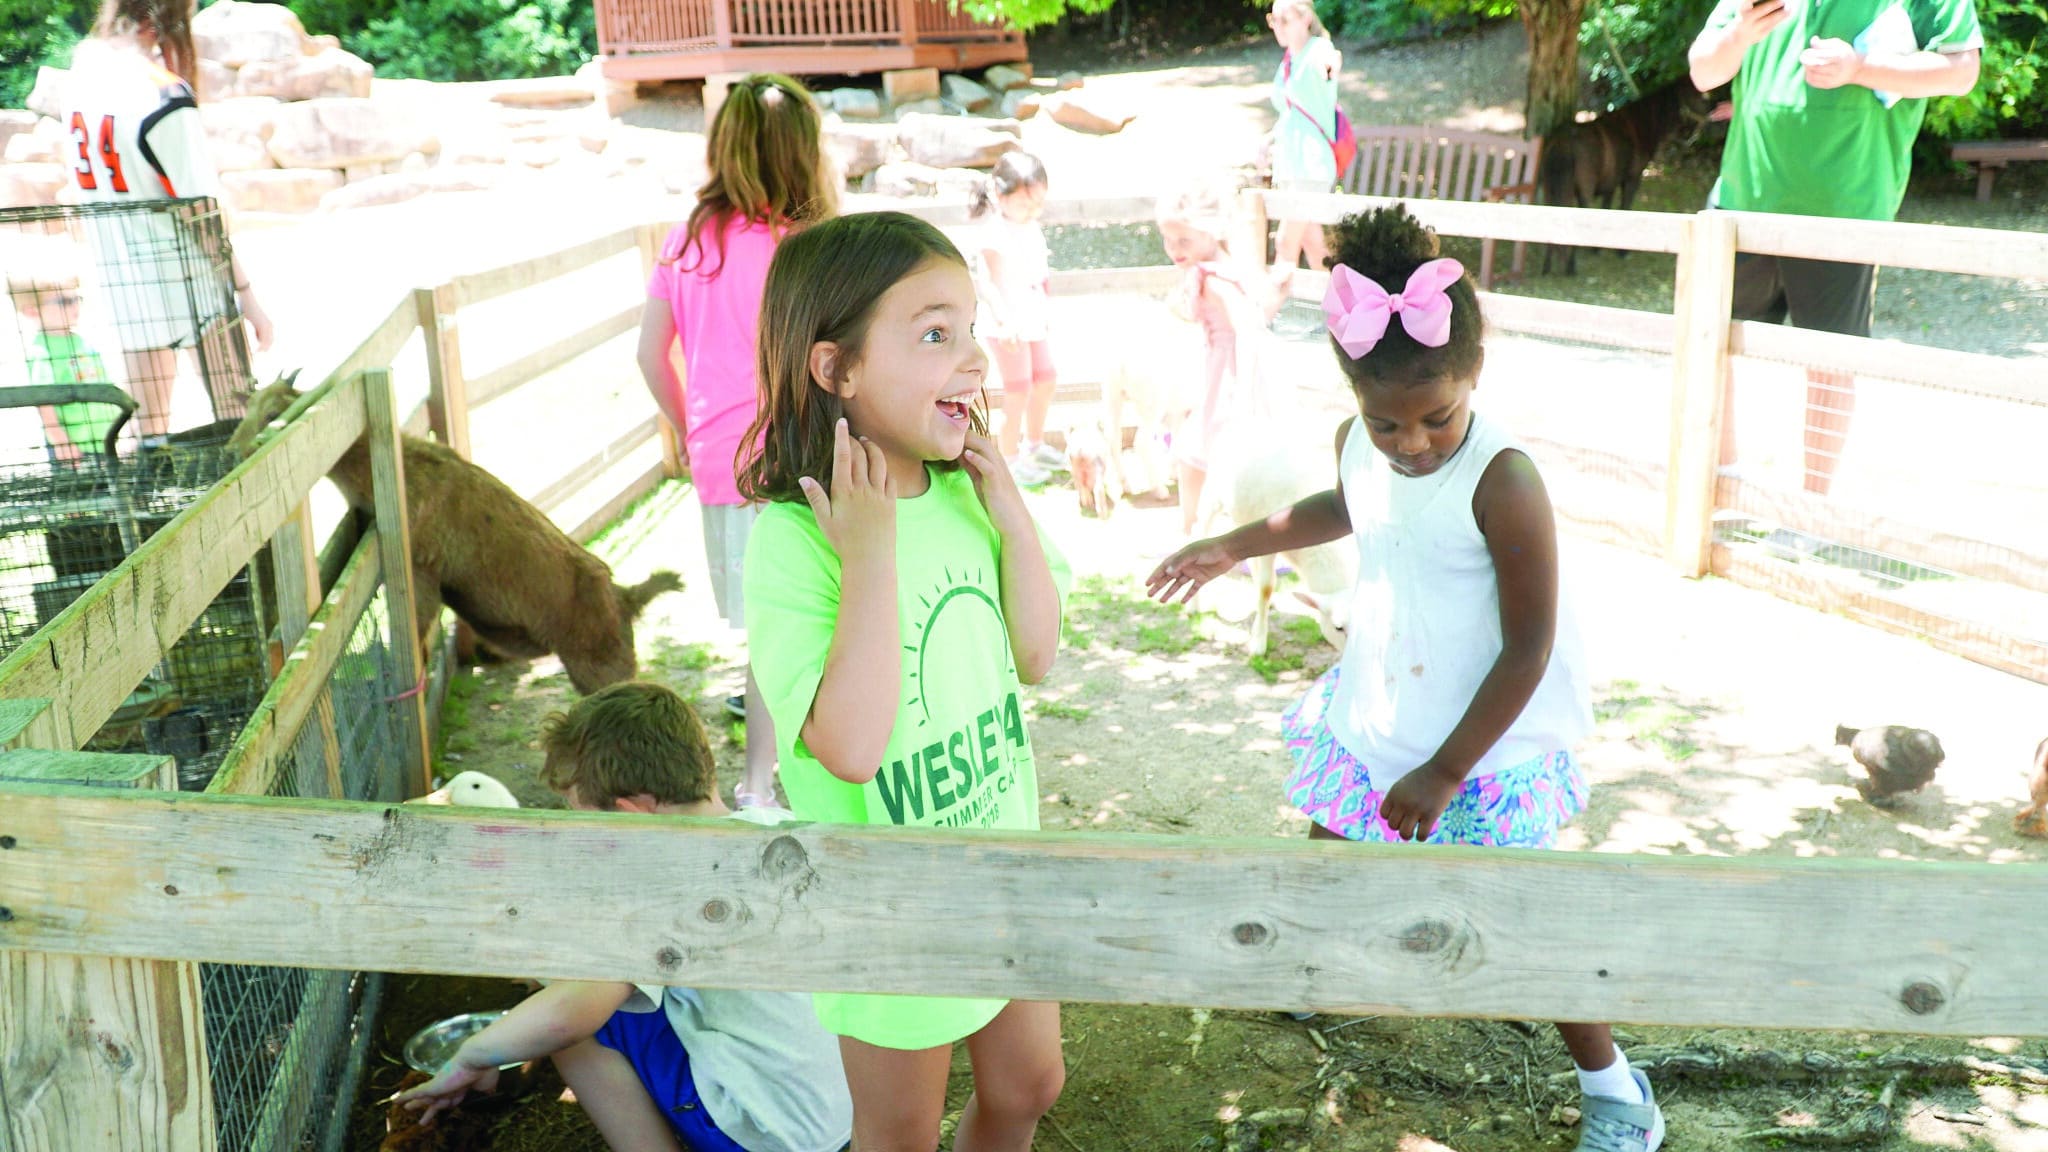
<point>1753,942</point>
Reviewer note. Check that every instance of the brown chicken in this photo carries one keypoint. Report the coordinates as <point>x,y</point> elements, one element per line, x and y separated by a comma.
<point>2033,819</point>
<point>1897,759</point>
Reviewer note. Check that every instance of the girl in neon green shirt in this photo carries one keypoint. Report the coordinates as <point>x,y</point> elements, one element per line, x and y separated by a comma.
<point>897,594</point>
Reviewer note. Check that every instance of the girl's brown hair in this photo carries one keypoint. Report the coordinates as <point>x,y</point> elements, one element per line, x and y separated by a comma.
<point>1388,245</point>
<point>823,286</point>
<point>767,160</point>
<point>170,21</point>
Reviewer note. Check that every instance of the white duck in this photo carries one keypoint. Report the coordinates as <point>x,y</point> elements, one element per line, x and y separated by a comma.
<point>471,790</point>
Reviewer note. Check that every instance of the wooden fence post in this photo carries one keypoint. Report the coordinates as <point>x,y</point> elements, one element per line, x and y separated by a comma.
<point>1703,308</point>
<point>652,234</point>
<point>297,564</point>
<point>99,1052</point>
<point>447,388</point>
<point>1248,239</point>
<point>394,545</point>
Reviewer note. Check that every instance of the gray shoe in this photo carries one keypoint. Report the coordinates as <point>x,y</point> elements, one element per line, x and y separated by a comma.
<point>1608,1125</point>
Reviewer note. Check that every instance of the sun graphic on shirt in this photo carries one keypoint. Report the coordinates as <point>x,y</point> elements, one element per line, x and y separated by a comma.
<point>949,610</point>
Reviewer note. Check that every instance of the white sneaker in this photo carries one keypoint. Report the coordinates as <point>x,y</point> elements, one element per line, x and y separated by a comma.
<point>1046,456</point>
<point>1027,473</point>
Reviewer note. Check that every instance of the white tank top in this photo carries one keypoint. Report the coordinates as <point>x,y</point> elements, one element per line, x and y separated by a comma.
<point>1425,619</point>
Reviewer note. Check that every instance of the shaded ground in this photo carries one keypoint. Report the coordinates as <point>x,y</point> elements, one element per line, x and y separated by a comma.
<point>1717,706</point>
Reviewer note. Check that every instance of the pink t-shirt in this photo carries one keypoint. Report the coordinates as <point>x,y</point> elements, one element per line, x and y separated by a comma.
<point>717,309</point>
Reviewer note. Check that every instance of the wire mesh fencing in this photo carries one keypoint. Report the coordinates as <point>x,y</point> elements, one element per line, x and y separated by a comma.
<point>283,1042</point>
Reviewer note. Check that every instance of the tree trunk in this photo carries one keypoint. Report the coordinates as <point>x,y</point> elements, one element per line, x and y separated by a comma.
<point>1553,27</point>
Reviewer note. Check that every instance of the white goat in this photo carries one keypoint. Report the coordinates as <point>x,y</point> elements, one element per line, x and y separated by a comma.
<point>1268,465</point>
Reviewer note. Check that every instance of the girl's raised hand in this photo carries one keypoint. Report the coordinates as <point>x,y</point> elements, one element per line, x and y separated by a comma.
<point>1182,574</point>
<point>858,516</point>
<point>996,487</point>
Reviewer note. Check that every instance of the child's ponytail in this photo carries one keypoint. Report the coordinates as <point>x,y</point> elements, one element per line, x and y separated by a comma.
<point>1012,170</point>
<point>1387,246</point>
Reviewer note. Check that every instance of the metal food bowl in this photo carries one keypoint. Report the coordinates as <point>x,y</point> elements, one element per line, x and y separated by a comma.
<point>432,1047</point>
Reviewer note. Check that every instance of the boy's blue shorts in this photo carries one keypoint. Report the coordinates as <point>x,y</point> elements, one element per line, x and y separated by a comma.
<point>651,1046</point>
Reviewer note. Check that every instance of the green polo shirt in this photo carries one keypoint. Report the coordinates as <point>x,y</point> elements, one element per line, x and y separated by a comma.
<point>1826,152</point>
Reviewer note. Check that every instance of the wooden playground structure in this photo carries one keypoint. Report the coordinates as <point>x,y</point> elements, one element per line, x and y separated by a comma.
<point>114,892</point>
<point>692,39</point>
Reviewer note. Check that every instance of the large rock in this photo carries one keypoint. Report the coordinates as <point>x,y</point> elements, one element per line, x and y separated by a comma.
<point>330,72</point>
<point>279,189</point>
<point>964,93</point>
<point>1004,77</point>
<point>47,97</point>
<point>928,106</point>
<point>216,81</point>
<point>615,95</point>
<point>903,85</point>
<point>398,187</point>
<point>1088,113</point>
<point>1021,103</point>
<point>15,122</point>
<point>476,143</point>
<point>237,33</point>
<point>32,147</point>
<point>855,103</point>
<point>963,182</point>
<point>906,178</point>
<point>341,132</point>
<point>953,142</point>
<point>546,92</point>
<point>860,148</point>
<point>32,185</point>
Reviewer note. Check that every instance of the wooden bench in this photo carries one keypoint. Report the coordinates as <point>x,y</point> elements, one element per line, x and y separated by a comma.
<point>1445,164</point>
<point>1988,156</point>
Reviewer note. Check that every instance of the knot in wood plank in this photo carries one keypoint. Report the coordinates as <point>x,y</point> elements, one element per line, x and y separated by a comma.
<point>1251,934</point>
<point>1923,998</point>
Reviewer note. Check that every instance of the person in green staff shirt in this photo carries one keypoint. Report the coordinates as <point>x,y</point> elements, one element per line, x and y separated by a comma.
<point>56,353</point>
<point>1829,95</point>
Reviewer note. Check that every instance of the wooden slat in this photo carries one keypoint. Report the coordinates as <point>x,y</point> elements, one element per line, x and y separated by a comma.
<point>554,495</point>
<point>1152,280</point>
<point>1238,923</point>
<point>380,347</point>
<point>602,516</point>
<point>92,655</point>
<point>1590,227</point>
<point>394,543</point>
<point>2023,379</point>
<point>251,765</point>
<point>1706,280</point>
<point>448,393</point>
<point>1935,247</point>
<point>501,380</point>
<point>477,287</point>
<point>953,213</point>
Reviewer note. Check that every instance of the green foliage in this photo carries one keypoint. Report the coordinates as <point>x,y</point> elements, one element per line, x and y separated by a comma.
<point>1648,38</point>
<point>1025,15</point>
<point>477,39</point>
<point>34,34</point>
<point>2009,99</point>
<point>1384,20</point>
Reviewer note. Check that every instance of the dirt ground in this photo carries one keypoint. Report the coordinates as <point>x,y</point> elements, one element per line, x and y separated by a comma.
<point>1717,709</point>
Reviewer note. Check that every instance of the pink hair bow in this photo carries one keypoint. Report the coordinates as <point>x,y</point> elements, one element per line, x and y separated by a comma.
<point>1358,309</point>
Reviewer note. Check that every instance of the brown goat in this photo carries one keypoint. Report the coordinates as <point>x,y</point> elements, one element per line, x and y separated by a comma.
<point>499,562</point>
<point>2033,819</point>
<point>1590,163</point>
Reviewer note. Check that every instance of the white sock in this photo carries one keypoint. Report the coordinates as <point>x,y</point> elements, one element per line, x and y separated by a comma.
<point>1613,1081</point>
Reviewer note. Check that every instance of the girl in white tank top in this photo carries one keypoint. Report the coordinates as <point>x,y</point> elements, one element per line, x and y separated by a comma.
<point>1462,693</point>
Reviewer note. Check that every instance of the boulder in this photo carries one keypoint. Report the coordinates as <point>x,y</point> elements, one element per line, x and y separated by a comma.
<point>546,92</point>
<point>855,103</point>
<point>906,178</point>
<point>903,85</point>
<point>477,144</point>
<point>321,43</point>
<point>963,182</point>
<point>330,72</point>
<point>31,147</point>
<point>953,142</point>
<point>1087,113</point>
<point>965,94</point>
<point>216,81</point>
<point>238,132</point>
<point>537,153</point>
<point>16,122</point>
<point>279,189</point>
<point>930,106</point>
<point>32,185</point>
<point>236,33</point>
<point>1004,77</point>
<point>1020,103</point>
<point>860,148</point>
<point>392,188</point>
<point>337,132</point>
<point>615,95</point>
<point>1004,124</point>
<point>47,97</point>
<point>1068,81</point>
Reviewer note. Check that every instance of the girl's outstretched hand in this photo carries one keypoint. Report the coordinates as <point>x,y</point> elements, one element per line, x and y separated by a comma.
<point>1182,574</point>
<point>996,487</point>
<point>447,1090</point>
<point>858,516</point>
<point>1417,801</point>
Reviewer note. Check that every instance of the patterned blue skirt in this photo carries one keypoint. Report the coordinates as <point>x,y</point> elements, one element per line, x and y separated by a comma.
<point>1523,806</point>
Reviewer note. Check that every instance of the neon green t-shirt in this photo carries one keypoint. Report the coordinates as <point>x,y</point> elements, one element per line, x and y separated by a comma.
<point>958,756</point>
<point>65,358</point>
<point>1843,152</point>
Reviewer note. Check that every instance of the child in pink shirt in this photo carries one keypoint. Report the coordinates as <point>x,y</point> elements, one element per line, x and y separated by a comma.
<point>768,176</point>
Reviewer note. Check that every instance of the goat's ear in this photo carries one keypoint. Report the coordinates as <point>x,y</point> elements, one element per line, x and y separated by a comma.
<point>824,366</point>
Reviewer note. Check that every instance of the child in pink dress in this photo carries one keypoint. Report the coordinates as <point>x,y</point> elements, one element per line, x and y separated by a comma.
<point>768,177</point>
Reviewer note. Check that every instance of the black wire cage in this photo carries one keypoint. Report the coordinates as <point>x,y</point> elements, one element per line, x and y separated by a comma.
<point>123,369</point>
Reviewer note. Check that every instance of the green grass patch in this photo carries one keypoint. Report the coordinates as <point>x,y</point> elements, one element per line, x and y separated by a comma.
<point>1660,723</point>
<point>1116,614</point>
<point>1061,710</point>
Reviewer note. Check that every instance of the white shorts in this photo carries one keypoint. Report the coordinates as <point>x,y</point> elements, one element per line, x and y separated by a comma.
<point>159,293</point>
<point>726,527</point>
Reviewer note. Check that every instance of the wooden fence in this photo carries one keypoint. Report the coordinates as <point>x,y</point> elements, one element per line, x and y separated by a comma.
<point>109,897</point>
